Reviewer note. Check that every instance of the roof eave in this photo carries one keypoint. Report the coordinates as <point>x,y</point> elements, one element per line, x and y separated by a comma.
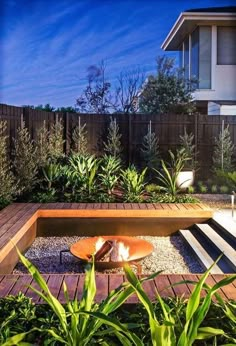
<point>194,16</point>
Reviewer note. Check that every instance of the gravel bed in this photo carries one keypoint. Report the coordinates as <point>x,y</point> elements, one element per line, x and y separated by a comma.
<point>170,255</point>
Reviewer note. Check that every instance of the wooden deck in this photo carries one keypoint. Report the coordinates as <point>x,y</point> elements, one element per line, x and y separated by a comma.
<point>13,284</point>
<point>19,222</point>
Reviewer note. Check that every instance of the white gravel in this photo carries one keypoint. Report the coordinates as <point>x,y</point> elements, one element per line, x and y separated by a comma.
<point>170,255</point>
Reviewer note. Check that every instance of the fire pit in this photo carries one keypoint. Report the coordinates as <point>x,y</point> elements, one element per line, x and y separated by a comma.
<point>112,251</point>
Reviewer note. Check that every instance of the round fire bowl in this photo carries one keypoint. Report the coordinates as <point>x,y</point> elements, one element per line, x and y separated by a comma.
<point>138,249</point>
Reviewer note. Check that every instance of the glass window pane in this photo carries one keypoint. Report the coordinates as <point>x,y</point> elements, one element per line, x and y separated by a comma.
<point>186,58</point>
<point>195,56</point>
<point>226,45</point>
<point>204,57</point>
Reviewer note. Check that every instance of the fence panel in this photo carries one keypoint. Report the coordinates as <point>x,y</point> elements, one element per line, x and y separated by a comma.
<point>133,127</point>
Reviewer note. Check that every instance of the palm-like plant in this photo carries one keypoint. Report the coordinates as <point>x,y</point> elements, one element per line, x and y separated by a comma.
<point>51,173</point>
<point>133,184</point>
<point>168,176</point>
<point>110,172</point>
<point>82,173</point>
<point>80,320</point>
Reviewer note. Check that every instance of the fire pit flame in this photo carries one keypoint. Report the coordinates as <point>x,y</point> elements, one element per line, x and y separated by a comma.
<point>123,251</point>
<point>99,243</point>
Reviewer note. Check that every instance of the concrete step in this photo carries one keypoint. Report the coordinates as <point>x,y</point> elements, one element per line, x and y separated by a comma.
<point>226,228</point>
<point>200,252</point>
<point>218,242</point>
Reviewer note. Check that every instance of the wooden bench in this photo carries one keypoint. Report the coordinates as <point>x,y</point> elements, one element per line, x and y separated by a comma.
<point>21,222</point>
<point>13,284</point>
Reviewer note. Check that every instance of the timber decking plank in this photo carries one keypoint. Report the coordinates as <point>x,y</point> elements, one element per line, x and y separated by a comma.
<point>102,287</point>
<point>158,206</point>
<point>18,215</point>
<point>150,288</point>
<point>7,213</point>
<point>33,295</point>
<point>135,206</point>
<point>80,286</point>
<point>142,206</point>
<point>9,234</point>
<point>21,285</point>
<point>54,284</point>
<point>71,281</point>
<point>127,206</point>
<point>115,280</point>
<point>149,206</point>
<point>6,284</point>
<point>229,290</point>
<point>119,205</point>
<point>82,206</point>
<point>162,284</point>
<point>190,277</point>
<point>180,289</point>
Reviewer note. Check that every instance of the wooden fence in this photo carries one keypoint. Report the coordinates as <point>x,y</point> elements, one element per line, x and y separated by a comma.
<point>132,127</point>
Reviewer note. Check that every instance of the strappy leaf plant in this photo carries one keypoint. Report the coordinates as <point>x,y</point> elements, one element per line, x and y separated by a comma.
<point>170,171</point>
<point>109,173</point>
<point>133,184</point>
<point>80,320</point>
<point>196,310</point>
<point>81,176</point>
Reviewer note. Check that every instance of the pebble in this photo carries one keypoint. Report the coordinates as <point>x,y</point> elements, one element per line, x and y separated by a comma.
<point>171,255</point>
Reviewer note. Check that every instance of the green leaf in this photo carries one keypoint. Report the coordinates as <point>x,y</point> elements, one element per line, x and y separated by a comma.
<point>208,332</point>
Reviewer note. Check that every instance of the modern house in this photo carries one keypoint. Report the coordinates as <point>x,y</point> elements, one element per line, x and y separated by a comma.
<point>206,41</point>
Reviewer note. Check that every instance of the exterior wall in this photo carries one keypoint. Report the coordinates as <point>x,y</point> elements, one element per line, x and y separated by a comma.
<point>223,79</point>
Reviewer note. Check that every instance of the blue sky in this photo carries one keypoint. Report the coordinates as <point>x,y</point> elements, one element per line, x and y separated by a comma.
<point>48,45</point>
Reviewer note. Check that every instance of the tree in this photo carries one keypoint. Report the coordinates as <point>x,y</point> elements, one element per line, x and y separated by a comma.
<point>113,144</point>
<point>223,151</point>
<point>150,148</point>
<point>7,181</point>
<point>80,141</point>
<point>96,98</point>
<point>25,160</point>
<point>168,91</point>
<point>46,108</point>
<point>127,91</point>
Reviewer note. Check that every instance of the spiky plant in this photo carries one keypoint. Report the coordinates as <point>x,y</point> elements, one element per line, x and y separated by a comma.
<point>80,141</point>
<point>113,144</point>
<point>56,141</point>
<point>7,180</point>
<point>150,149</point>
<point>42,146</point>
<point>223,151</point>
<point>187,144</point>
<point>25,159</point>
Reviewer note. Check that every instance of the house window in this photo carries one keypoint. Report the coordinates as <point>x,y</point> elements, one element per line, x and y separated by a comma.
<point>186,58</point>
<point>195,56</point>
<point>204,57</point>
<point>226,45</point>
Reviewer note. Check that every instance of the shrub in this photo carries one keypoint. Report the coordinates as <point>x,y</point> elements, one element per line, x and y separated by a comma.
<point>214,188</point>
<point>191,189</point>
<point>224,189</point>
<point>7,181</point>
<point>109,173</point>
<point>133,184</point>
<point>153,188</point>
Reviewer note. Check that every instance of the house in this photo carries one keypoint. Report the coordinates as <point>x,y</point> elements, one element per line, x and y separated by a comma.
<point>206,41</point>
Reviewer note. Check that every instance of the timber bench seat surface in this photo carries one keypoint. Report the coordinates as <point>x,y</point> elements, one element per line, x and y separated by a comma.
<point>13,284</point>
